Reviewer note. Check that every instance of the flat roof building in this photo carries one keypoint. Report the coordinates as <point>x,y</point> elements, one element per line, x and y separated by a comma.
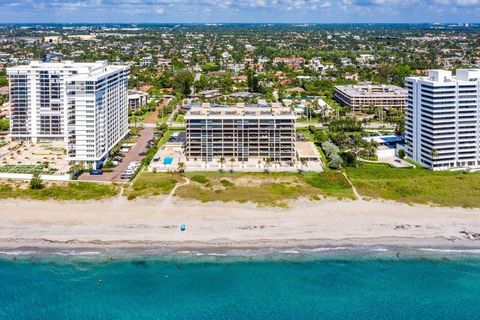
<point>360,97</point>
<point>443,119</point>
<point>240,132</point>
<point>137,99</point>
<point>82,104</point>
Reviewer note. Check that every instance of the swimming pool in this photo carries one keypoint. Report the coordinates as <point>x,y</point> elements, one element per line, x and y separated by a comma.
<point>168,161</point>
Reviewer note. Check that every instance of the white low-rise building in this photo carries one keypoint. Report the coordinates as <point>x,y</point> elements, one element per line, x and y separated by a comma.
<point>137,99</point>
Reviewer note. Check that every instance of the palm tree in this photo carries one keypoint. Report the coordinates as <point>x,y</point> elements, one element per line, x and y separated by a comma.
<point>303,161</point>
<point>222,162</point>
<point>181,167</point>
<point>268,162</point>
<point>434,154</point>
<point>134,118</point>
<point>232,160</point>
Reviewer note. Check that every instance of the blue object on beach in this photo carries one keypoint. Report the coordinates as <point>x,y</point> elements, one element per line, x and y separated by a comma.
<point>183,227</point>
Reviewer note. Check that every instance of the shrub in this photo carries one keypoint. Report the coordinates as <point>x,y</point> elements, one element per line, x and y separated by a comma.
<point>200,179</point>
<point>335,161</point>
<point>401,154</point>
<point>226,183</point>
<point>36,182</point>
<point>349,158</point>
<point>332,153</point>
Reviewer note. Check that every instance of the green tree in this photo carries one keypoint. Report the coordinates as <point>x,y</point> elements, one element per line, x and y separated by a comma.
<point>252,81</point>
<point>4,124</point>
<point>182,82</point>
<point>36,182</point>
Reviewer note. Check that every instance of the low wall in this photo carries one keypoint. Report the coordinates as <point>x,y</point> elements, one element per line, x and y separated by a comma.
<point>45,177</point>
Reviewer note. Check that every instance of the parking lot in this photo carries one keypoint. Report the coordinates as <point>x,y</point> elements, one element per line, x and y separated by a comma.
<point>132,155</point>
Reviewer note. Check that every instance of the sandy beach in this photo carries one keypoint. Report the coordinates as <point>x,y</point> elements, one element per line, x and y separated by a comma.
<point>155,222</point>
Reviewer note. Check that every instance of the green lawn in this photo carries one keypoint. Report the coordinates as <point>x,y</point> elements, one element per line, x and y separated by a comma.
<point>274,189</point>
<point>180,118</point>
<point>417,185</point>
<point>165,137</point>
<point>162,120</point>
<point>70,191</point>
<point>152,184</point>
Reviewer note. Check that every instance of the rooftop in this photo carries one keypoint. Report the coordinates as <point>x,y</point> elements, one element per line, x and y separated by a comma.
<point>444,76</point>
<point>239,110</point>
<point>306,150</point>
<point>99,68</point>
<point>372,90</point>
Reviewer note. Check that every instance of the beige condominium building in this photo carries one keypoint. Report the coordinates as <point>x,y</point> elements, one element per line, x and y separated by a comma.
<point>242,132</point>
<point>360,97</point>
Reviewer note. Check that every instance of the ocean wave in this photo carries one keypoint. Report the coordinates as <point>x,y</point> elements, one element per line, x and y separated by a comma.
<point>474,251</point>
<point>77,253</point>
<point>17,253</point>
<point>323,249</point>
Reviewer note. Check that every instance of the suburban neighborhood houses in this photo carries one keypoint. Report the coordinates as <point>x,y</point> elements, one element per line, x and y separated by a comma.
<point>151,106</point>
<point>244,160</point>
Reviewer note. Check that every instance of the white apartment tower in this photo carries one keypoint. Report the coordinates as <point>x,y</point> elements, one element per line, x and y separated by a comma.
<point>443,119</point>
<point>83,104</point>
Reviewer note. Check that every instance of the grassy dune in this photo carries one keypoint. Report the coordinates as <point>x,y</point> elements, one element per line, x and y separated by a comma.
<point>54,191</point>
<point>274,189</point>
<point>152,184</point>
<point>417,185</point>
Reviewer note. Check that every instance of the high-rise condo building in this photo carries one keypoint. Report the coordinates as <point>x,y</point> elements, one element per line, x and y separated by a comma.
<point>443,119</point>
<point>240,132</point>
<point>83,104</point>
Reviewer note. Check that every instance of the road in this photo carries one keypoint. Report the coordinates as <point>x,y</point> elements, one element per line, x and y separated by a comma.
<point>307,124</point>
<point>132,155</point>
<point>171,118</point>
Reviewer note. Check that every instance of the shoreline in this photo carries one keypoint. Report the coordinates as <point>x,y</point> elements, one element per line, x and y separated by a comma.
<point>391,243</point>
<point>151,224</point>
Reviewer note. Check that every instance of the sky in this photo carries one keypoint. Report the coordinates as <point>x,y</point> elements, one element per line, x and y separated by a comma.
<point>217,11</point>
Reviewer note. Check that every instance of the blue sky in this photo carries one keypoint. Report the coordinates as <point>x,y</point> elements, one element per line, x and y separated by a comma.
<point>298,11</point>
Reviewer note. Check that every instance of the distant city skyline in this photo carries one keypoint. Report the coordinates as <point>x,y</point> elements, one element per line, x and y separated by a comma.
<point>248,11</point>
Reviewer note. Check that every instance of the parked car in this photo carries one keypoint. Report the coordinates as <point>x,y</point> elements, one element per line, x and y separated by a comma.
<point>96,172</point>
<point>125,176</point>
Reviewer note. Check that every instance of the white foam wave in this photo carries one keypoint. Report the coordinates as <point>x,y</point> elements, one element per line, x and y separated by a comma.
<point>75,253</point>
<point>17,253</point>
<point>290,251</point>
<point>322,249</point>
<point>475,251</point>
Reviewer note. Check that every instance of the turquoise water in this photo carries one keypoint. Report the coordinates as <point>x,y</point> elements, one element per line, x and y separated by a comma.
<point>324,287</point>
<point>168,161</point>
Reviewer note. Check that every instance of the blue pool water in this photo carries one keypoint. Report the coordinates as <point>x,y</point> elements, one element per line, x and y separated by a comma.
<point>392,139</point>
<point>168,161</point>
<point>329,287</point>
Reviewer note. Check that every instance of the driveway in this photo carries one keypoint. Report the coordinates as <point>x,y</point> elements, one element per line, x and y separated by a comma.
<point>132,155</point>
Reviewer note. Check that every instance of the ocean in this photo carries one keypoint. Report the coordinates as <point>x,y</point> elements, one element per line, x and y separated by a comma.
<point>323,283</point>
